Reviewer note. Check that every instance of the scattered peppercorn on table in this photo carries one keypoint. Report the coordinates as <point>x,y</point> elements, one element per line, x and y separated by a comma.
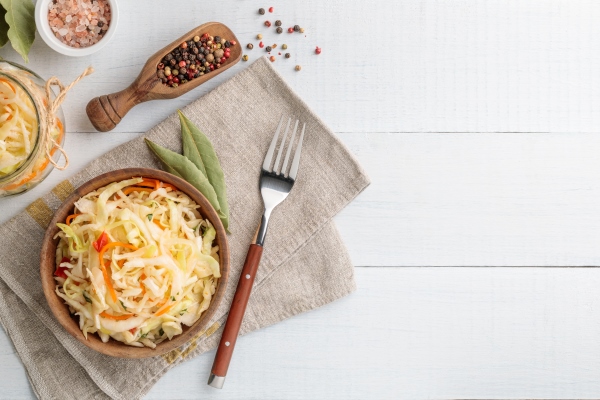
<point>477,124</point>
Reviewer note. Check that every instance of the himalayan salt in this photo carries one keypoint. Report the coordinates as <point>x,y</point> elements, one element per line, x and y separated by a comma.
<point>79,23</point>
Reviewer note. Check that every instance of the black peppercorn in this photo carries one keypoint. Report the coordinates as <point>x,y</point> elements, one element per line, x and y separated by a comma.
<point>173,62</point>
<point>296,28</point>
<point>100,24</point>
<point>169,57</point>
<point>279,29</point>
<point>217,39</point>
<point>250,46</point>
<point>192,57</point>
<point>195,50</point>
<point>200,56</point>
<point>181,77</point>
<point>278,23</point>
<point>261,11</point>
<point>227,44</point>
<point>268,48</point>
<point>182,71</point>
<point>287,55</point>
<point>190,43</point>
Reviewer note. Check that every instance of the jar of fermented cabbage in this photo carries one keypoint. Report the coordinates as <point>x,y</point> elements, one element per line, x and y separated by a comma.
<point>32,132</point>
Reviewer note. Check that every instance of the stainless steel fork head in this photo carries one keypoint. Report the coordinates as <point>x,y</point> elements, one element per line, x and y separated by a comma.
<point>277,181</point>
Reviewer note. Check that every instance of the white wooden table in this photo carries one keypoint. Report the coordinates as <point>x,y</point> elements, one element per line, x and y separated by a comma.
<point>478,123</point>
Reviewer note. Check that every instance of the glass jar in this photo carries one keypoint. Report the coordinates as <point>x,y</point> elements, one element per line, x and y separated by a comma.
<point>32,160</point>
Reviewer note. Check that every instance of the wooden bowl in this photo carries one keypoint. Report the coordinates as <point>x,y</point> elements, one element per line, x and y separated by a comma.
<point>106,111</point>
<point>48,265</point>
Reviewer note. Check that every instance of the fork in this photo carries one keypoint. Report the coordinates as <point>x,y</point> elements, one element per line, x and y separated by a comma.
<point>275,185</point>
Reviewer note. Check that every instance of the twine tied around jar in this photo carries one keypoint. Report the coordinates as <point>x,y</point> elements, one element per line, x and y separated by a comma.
<point>52,143</point>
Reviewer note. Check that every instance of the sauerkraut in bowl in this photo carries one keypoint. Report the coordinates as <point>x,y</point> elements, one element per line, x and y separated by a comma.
<point>136,262</point>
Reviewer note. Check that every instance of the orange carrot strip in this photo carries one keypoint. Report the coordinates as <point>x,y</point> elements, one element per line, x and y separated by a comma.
<point>71,217</point>
<point>132,189</point>
<point>114,244</point>
<point>111,289</point>
<point>164,310</point>
<point>104,314</point>
<point>9,85</point>
<point>157,223</point>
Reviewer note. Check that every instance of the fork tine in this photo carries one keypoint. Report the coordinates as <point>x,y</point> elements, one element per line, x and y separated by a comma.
<point>269,156</point>
<point>289,150</point>
<point>296,160</point>
<point>281,146</point>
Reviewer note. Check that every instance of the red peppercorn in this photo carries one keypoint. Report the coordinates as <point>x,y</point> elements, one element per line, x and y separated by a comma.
<point>176,80</point>
<point>223,60</point>
<point>318,50</point>
<point>190,75</point>
<point>183,45</point>
<point>267,24</point>
<point>212,67</point>
<point>218,66</point>
<point>182,63</point>
<point>233,42</point>
<point>261,45</point>
<point>270,9</point>
<point>161,66</point>
<point>272,58</point>
<point>290,30</point>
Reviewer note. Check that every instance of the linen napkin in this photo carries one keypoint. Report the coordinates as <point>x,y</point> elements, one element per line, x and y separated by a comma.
<point>304,264</point>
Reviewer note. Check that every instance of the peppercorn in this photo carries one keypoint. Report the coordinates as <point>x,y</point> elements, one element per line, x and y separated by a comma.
<point>274,46</point>
<point>233,42</point>
<point>272,58</point>
<point>218,53</point>
<point>192,57</point>
<point>181,77</point>
<point>261,45</point>
<point>227,44</point>
<point>217,39</point>
<point>284,46</point>
<point>249,46</point>
<point>245,57</point>
<point>169,57</point>
<point>161,66</point>
<point>167,71</point>
<point>267,24</point>
<point>268,48</point>
<point>181,63</point>
<point>174,84</point>
<point>318,50</point>
<point>270,9</point>
<point>278,23</point>
<point>175,72</point>
<point>298,68</point>
<point>196,38</point>
<point>160,74</point>
<point>175,79</point>
<point>259,36</point>
<point>296,28</point>
<point>195,50</point>
<point>261,11</point>
<point>183,45</point>
<point>279,29</point>
<point>210,58</point>
<point>173,62</point>
<point>287,55</point>
<point>290,30</point>
<point>301,30</point>
<point>100,24</point>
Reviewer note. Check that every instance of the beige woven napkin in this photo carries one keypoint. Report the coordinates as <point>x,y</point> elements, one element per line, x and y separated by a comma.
<point>304,265</point>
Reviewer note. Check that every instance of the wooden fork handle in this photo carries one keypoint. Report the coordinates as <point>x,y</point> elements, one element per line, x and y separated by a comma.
<point>235,317</point>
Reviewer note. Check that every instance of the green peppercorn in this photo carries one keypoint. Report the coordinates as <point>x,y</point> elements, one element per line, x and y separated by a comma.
<point>301,30</point>
<point>298,68</point>
<point>278,23</point>
<point>287,55</point>
<point>284,46</point>
<point>175,72</point>
<point>296,28</point>
<point>245,57</point>
<point>279,29</point>
<point>259,36</point>
<point>249,46</point>
<point>261,11</point>
<point>196,39</point>
<point>167,71</point>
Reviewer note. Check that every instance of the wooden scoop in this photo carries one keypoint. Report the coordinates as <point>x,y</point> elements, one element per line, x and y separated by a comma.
<point>105,112</point>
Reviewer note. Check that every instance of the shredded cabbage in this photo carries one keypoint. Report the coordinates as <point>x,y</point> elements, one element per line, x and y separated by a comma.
<point>159,268</point>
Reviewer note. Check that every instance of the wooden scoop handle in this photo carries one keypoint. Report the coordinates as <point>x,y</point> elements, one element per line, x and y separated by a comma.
<point>106,111</point>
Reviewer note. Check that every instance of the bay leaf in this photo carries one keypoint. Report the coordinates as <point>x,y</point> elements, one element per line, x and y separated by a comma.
<point>199,146</point>
<point>21,23</point>
<point>181,166</point>
<point>3,27</point>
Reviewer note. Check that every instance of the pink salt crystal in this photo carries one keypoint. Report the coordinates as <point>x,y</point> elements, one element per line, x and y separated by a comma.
<point>80,28</point>
<point>63,31</point>
<point>69,18</point>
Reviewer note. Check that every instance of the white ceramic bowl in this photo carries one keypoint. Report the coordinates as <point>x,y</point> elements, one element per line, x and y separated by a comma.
<point>43,27</point>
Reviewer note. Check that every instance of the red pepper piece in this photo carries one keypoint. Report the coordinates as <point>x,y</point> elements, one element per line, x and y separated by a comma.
<point>60,271</point>
<point>101,242</point>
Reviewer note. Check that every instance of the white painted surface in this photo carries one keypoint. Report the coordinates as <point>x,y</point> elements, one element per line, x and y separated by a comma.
<point>440,196</point>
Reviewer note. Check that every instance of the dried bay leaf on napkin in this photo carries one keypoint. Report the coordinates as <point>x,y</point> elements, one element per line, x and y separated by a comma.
<point>182,167</point>
<point>198,148</point>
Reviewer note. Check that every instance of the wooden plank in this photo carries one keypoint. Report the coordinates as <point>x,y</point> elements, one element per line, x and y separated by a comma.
<point>412,333</point>
<point>412,65</point>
